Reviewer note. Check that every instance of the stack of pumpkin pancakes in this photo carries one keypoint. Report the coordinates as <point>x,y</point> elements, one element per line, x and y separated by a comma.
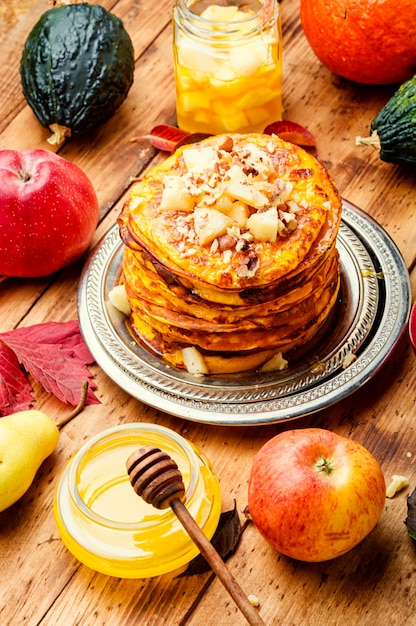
<point>230,249</point>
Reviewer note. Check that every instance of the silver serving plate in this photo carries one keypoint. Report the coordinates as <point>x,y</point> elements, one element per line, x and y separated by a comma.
<point>371,313</point>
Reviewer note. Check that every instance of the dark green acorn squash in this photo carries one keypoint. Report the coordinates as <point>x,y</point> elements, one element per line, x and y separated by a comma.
<point>76,68</point>
<point>393,130</point>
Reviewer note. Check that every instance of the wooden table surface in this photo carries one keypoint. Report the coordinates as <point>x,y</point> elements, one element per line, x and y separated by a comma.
<point>41,582</point>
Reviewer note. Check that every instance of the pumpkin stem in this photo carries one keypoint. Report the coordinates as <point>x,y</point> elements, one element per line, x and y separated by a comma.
<point>373,140</point>
<point>59,133</point>
<point>61,3</point>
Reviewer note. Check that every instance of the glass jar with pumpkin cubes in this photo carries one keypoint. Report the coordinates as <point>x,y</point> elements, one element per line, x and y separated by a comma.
<point>228,65</point>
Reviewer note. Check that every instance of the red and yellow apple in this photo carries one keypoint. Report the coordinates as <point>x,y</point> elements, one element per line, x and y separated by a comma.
<point>314,495</point>
<point>48,212</point>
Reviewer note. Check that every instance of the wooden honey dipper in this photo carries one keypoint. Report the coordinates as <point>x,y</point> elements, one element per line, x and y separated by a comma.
<point>156,477</point>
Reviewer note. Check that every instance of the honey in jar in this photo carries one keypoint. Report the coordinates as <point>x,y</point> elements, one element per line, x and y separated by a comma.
<point>107,527</point>
<point>228,65</point>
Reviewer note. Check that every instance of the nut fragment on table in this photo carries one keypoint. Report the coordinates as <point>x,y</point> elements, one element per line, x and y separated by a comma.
<point>397,484</point>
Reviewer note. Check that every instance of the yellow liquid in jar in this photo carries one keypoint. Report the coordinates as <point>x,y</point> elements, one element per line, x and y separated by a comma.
<point>106,489</point>
<point>232,86</point>
<point>108,527</point>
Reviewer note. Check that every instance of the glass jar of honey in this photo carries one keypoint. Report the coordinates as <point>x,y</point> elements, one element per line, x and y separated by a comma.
<point>228,65</point>
<point>109,528</point>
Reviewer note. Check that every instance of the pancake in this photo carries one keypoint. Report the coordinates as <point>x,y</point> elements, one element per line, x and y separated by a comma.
<point>230,248</point>
<point>215,320</point>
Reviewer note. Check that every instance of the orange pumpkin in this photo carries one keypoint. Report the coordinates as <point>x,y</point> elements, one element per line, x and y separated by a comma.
<point>367,41</point>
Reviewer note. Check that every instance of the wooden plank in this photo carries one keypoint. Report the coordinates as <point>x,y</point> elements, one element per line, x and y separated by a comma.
<point>368,582</point>
<point>375,581</point>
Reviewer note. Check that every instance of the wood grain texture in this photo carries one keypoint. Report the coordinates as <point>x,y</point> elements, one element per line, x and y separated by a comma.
<point>11,12</point>
<point>42,584</point>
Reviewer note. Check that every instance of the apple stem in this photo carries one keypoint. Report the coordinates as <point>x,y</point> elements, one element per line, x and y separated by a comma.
<point>324,466</point>
<point>25,176</point>
<point>80,406</point>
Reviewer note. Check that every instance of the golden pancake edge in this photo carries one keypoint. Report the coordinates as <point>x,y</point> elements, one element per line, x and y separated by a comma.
<point>230,253</point>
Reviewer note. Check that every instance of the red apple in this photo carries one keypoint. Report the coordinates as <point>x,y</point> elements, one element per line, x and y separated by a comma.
<point>313,494</point>
<point>48,212</point>
<point>412,326</point>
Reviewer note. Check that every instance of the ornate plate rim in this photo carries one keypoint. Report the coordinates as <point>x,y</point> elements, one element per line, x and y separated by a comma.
<point>157,385</point>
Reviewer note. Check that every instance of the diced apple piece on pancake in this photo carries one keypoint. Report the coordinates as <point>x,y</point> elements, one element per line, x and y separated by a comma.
<point>210,224</point>
<point>175,196</point>
<point>264,225</point>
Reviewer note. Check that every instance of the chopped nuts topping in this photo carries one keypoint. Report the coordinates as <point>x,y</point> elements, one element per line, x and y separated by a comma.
<point>232,200</point>
<point>249,265</point>
<point>226,242</point>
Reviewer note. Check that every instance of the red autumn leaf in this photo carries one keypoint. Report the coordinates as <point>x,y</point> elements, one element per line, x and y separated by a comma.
<point>290,131</point>
<point>15,389</point>
<point>168,138</point>
<point>164,137</point>
<point>192,138</point>
<point>55,355</point>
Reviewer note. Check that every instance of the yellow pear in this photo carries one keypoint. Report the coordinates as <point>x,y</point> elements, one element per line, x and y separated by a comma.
<point>27,438</point>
